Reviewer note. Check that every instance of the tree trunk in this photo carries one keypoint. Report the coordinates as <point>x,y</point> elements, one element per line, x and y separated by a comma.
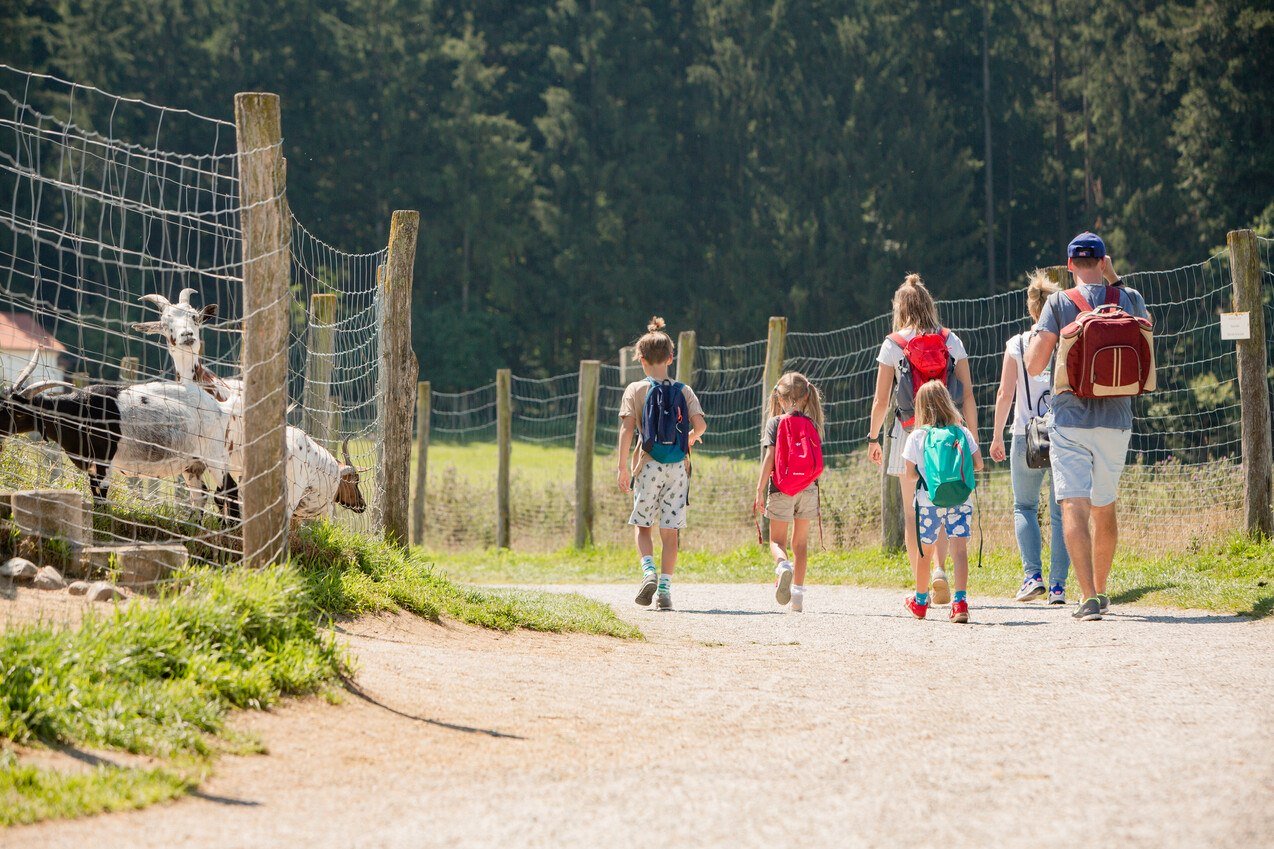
<point>986,128</point>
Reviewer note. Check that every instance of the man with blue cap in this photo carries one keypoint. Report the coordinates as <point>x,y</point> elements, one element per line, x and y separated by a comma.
<point>1089,436</point>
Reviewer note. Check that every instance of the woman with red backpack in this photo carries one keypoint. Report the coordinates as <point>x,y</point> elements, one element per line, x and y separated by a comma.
<point>919,350</point>
<point>787,489</point>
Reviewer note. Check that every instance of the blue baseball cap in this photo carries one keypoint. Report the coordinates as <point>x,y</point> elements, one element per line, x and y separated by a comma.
<point>1086,245</point>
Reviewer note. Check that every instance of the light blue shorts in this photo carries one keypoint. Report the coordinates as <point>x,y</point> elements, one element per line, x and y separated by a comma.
<point>1087,462</point>
<point>954,519</point>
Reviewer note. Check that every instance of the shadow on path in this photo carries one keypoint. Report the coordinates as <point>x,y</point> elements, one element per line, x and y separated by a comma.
<point>450,726</point>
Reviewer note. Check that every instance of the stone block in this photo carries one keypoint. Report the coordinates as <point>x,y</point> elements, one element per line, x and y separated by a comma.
<point>52,513</point>
<point>143,567</point>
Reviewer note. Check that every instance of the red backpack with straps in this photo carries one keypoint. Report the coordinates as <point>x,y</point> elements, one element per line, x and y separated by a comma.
<point>925,357</point>
<point>798,454</point>
<point>1105,352</point>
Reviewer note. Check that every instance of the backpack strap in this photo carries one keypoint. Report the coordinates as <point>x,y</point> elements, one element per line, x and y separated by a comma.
<point>944,333</point>
<point>1112,295</point>
<point>1078,300</point>
<point>898,339</point>
<point>1026,378</point>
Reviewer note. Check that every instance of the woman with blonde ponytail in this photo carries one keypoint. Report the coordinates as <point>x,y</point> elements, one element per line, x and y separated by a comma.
<point>919,348</point>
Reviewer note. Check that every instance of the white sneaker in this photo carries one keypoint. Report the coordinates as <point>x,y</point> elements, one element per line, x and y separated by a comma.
<point>1031,588</point>
<point>783,584</point>
<point>939,589</point>
<point>798,602</point>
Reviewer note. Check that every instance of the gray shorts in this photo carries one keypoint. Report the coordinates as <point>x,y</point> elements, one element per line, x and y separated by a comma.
<point>660,493</point>
<point>781,507</point>
<point>1087,462</point>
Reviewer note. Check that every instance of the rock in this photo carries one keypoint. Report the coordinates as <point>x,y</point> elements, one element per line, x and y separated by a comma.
<point>18,568</point>
<point>78,588</point>
<point>102,591</point>
<point>49,578</point>
<point>144,567</point>
<point>52,513</point>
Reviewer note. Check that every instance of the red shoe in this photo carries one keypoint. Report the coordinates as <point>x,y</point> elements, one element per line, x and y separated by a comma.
<point>960,611</point>
<point>916,610</point>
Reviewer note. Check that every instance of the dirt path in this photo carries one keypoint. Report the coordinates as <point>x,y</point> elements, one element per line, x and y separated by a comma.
<point>736,725</point>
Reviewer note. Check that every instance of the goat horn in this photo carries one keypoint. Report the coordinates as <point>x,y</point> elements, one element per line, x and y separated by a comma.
<point>25,374</point>
<point>184,297</point>
<point>43,385</point>
<point>158,300</point>
<point>345,451</point>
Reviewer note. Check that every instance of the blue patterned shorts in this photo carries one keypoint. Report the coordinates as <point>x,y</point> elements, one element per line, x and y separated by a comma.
<point>955,519</point>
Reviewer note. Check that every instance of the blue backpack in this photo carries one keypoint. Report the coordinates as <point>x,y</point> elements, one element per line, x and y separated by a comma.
<point>665,422</point>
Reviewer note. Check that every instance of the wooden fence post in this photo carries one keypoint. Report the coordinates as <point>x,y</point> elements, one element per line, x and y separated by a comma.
<point>80,379</point>
<point>891,517</point>
<point>266,265</point>
<point>686,349</point>
<point>424,409</point>
<point>1254,397</point>
<point>398,375</point>
<point>321,348</point>
<point>590,373</point>
<point>504,446</point>
<point>629,368</point>
<point>128,368</point>
<point>775,350</point>
<point>1060,275</point>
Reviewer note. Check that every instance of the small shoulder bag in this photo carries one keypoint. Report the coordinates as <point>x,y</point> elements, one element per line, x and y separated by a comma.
<point>1037,441</point>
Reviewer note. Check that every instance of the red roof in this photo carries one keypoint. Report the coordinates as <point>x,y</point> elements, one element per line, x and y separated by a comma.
<point>20,331</point>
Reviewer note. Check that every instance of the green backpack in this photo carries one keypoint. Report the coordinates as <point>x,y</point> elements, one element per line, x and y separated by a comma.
<point>948,476</point>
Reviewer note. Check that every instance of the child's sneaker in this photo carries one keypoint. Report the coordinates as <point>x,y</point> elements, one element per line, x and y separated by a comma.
<point>1057,595</point>
<point>663,599</point>
<point>916,610</point>
<point>939,589</point>
<point>1032,587</point>
<point>960,611</point>
<point>798,601</point>
<point>647,591</point>
<point>783,584</point>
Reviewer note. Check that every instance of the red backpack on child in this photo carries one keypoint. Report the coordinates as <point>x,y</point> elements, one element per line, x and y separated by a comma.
<point>798,454</point>
<point>1105,352</point>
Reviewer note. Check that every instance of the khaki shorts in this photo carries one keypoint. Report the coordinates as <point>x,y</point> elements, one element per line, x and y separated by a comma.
<point>780,507</point>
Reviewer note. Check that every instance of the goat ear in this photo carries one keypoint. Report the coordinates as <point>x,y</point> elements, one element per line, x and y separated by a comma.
<point>149,327</point>
<point>208,312</point>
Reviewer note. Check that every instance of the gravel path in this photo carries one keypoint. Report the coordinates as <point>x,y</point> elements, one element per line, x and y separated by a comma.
<point>738,725</point>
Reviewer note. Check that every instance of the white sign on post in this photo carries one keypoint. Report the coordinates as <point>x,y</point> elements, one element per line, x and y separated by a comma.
<point>1236,325</point>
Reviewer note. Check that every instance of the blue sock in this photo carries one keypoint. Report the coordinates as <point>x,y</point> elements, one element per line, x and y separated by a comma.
<point>922,599</point>
<point>960,595</point>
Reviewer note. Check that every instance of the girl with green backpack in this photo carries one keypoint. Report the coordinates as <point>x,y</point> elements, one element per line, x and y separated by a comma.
<point>941,457</point>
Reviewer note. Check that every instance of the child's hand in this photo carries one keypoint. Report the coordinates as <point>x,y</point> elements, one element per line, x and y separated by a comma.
<point>758,502</point>
<point>997,449</point>
<point>625,479</point>
<point>695,438</point>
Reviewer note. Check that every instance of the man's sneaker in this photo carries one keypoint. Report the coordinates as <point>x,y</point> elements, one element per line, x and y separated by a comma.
<point>783,585</point>
<point>960,611</point>
<point>939,589</point>
<point>1089,610</point>
<point>798,602</point>
<point>647,592</point>
<point>1057,595</point>
<point>1032,587</point>
<point>916,610</point>
<point>1104,601</point>
<point>663,599</point>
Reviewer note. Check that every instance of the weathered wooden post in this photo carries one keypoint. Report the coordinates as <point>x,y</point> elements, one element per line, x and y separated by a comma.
<point>629,368</point>
<point>80,379</point>
<point>321,349</point>
<point>1060,275</point>
<point>266,265</point>
<point>891,518</point>
<point>504,447</point>
<point>128,368</point>
<point>1254,397</point>
<point>590,375</point>
<point>775,350</point>
<point>398,373</point>
<point>424,409</point>
<point>686,349</point>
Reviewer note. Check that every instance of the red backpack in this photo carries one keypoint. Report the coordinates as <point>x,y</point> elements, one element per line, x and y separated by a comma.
<point>1105,352</point>
<point>798,454</point>
<point>924,358</point>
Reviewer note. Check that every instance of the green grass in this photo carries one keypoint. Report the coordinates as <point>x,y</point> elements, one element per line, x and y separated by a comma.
<point>1234,576</point>
<point>349,575</point>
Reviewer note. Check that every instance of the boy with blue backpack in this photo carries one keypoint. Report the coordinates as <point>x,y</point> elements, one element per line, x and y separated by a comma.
<point>668,420</point>
<point>941,457</point>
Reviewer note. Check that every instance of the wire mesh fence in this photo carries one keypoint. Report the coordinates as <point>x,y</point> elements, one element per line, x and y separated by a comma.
<point>1184,468</point>
<point>122,308</point>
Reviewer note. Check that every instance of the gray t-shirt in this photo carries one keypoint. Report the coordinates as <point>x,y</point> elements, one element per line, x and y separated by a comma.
<point>1069,411</point>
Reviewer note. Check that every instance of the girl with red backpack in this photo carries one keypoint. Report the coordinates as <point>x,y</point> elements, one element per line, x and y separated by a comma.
<point>787,489</point>
<point>919,350</point>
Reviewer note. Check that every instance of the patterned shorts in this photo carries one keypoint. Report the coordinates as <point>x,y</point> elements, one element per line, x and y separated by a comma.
<point>955,519</point>
<point>660,491</point>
